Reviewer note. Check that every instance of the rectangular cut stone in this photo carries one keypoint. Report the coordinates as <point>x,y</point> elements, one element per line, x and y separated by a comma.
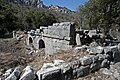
<point>52,75</point>
<point>86,60</point>
<point>82,71</point>
<point>95,66</point>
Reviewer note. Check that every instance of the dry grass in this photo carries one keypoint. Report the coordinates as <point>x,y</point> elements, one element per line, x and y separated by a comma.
<point>68,56</point>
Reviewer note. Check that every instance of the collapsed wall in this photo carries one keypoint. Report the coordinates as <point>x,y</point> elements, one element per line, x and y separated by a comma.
<point>98,57</point>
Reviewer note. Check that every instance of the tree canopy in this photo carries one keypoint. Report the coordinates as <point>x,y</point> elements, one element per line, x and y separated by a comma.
<point>100,14</point>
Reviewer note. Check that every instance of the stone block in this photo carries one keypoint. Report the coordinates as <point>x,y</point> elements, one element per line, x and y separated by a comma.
<point>49,72</point>
<point>119,47</point>
<point>95,66</point>
<point>58,62</point>
<point>105,63</point>
<point>114,48</point>
<point>51,75</point>
<point>28,74</point>
<point>86,60</point>
<point>96,50</point>
<point>8,72</point>
<point>75,64</point>
<point>101,57</point>
<point>15,74</point>
<point>107,49</point>
<point>106,71</point>
<point>116,56</point>
<point>83,71</point>
<point>67,72</point>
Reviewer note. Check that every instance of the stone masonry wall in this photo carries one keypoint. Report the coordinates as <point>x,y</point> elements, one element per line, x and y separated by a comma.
<point>59,36</point>
<point>98,57</point>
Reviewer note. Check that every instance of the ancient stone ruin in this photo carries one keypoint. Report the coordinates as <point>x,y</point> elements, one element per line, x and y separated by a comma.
<point>59,36</point>
<point>101,55</point>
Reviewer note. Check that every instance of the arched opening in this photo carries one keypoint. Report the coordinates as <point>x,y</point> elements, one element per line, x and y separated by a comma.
<point>41,44</point>
<point>30,40</point>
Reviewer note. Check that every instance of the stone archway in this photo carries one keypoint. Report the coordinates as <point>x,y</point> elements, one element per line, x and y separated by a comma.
<point>41,44</point>
<point>30,40</point>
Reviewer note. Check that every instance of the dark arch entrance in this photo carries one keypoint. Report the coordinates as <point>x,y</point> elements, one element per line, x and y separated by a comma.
<point>41,44</point>
<point>30,40</point>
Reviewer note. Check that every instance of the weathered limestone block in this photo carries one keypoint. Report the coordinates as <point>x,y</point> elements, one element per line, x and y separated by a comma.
<point>114,48</point>
<point>67,72</point>
<point>86,60</point>
<point>95,59</point>
<point>78,49</point>
<point>95,66</point>
<point>116,56</point>
<point>15,74</point>
<point>106,71</point>
<point>28,74</point>
<point>119,47</point>
<point>49,72</point>
<point>96,50</point>
<point>52,75</point>
<point>58,62</point>
<point>75,64</point>
<point>110,49</point>
<point>102,56</point>
<point>78,41</point>
<point>115,69</point>
<point>105,63</point>
<point>8,72</point>
<point>93,44</point>
<point>107,49</point>
<point>83,71</point>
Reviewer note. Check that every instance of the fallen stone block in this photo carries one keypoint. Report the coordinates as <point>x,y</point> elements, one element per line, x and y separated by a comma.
<point>107,49</point>
<point>78,49</point>
<point>95,66</point>
<point>101,56</point>
<point>86,60</point>
<point>85,70</point>
<point>52,75</point>
<point>28,74</point>
<point>105,63</point>
<point>114,48</point>
<point>58,62</point>
<point>116,56</point>
<point>119,47</point>
<point>106,71</point>
<point>49,72</point>
<point>15,74</point>
<point>75,64</point>
<point>67,72</point>
<point>8,72</point>
<point>96,50</point>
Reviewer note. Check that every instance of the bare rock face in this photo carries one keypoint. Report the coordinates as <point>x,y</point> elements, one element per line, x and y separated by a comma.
<point>34,3</point>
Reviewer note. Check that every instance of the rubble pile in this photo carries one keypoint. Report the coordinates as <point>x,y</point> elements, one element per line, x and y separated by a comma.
<point>98,58</point>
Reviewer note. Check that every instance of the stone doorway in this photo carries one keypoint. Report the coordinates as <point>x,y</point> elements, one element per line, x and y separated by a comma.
<point>30,40</point>
<point>41,44</point>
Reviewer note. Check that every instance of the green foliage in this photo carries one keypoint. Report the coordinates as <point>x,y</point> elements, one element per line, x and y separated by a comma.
<point>100,14</point>
<point>16,17</point>
<point>7,18</point>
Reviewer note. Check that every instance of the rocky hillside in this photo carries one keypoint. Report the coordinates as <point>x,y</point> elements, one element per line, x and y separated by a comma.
<point>35,3</point>
<point>39,4</point>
